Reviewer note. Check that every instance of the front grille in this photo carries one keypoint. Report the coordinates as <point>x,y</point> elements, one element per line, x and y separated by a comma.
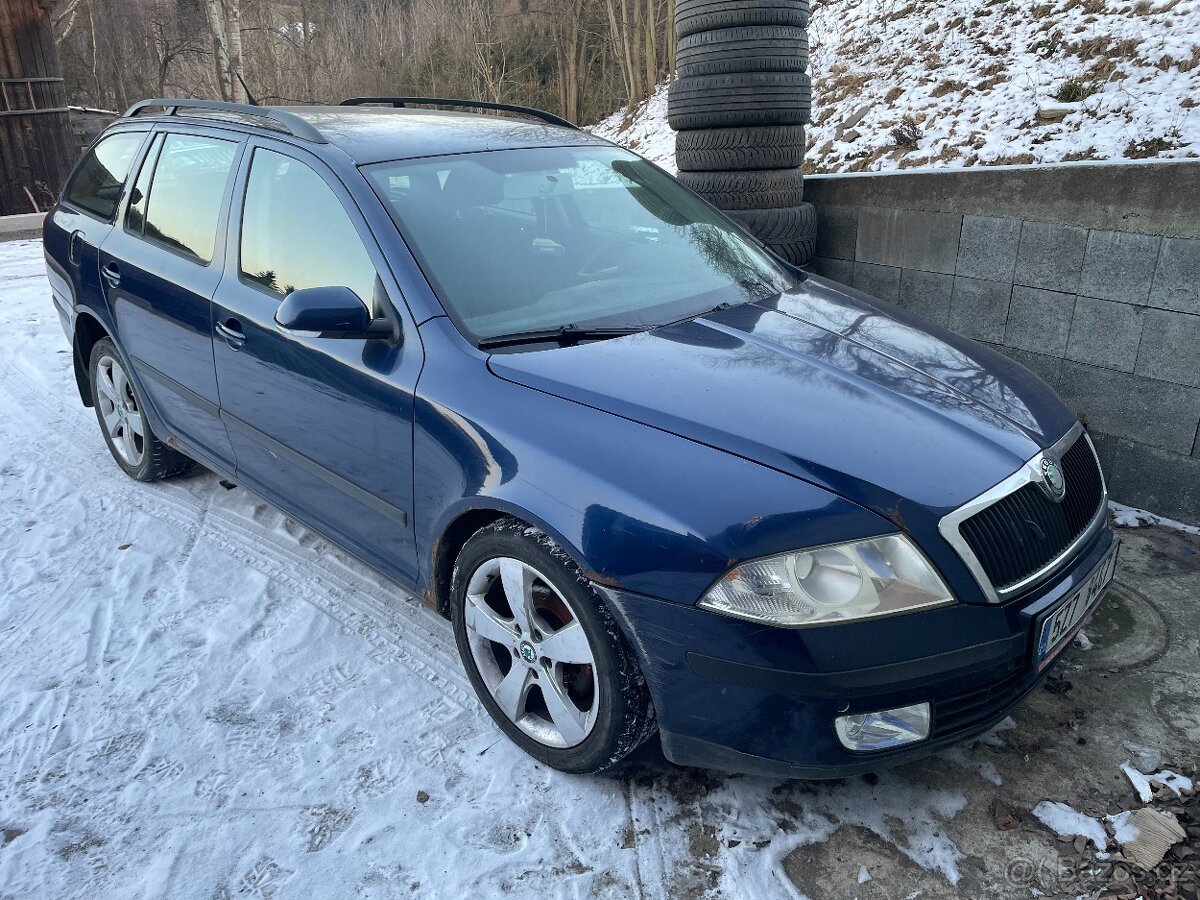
<point>962,711</point>
<point>1024,532</point>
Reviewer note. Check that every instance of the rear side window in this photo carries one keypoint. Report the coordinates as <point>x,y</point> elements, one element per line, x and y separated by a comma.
<point>296,234</point>
<point>97,185</point>
<point>185,193</point>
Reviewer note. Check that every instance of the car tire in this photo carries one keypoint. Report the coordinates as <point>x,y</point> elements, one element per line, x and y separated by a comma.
<point>692,16</point>
<point>514,689</point>
<point>790,232</point>
<point>121,414</point>
<point>716,149</point>
<point>766,48</point>
<point>743,98</point>
<point>760,189</point>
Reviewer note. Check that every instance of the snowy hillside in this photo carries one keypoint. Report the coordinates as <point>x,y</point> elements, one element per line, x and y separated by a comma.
<point>900,84</point>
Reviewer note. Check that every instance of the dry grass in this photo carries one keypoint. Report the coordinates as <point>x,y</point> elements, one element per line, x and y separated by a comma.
<point>907,134</point>
<point>894,93</point>
<point>1186,65</point>
<point>947,87</point>
<point>1148,149</point>
<point>1019,159</point>
<point>847,84</point>
<point>1080,155</point>
<point>1074,91</point>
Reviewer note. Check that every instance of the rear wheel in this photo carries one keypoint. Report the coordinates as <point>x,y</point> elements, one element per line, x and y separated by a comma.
<point>544,654</point>
<point>121,414</point>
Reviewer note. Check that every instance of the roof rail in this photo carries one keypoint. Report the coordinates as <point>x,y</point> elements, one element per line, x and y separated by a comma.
<point>400,102</point>
<point>278,119</point>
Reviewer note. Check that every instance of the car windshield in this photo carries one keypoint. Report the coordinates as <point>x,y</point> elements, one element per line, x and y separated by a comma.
<point>521,242</point>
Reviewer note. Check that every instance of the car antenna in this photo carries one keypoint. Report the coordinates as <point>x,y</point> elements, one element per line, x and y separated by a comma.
<point>249,96</point>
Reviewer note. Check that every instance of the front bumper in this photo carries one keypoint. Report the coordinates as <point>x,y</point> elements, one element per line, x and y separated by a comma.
<point>745,697</point>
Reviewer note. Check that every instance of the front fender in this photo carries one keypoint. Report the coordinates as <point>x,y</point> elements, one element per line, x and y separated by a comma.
<point>639,509</point>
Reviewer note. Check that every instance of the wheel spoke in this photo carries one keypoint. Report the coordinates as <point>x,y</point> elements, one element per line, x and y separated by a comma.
<point>112,419</point>
<point>105,385</point>
<point>512,691</point>
<point>567,645</point>
<point>487,623</point>
<point>518,588</point>
<point>131,452</point>
<point>570,721</point>
<point>133,422</point>
<point>120,383</point>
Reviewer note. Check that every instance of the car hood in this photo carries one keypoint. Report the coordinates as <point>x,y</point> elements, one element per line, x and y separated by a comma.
<point>826,384</point>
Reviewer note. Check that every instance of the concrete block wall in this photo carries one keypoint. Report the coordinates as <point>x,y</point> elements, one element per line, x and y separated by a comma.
<point>1087,274</point>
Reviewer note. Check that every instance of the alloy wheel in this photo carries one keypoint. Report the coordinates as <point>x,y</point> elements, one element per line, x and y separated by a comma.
<point>532,652</point>
<point>120,412</point>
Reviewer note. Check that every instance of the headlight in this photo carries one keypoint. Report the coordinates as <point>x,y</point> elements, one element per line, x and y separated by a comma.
<point>855,580</point>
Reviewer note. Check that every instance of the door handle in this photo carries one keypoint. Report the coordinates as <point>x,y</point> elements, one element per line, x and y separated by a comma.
<point>231,330</point>
<point>111,274</point>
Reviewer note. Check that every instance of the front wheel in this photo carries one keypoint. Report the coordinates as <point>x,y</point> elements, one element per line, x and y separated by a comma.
<point>545,655</point>
<point>122,417</point>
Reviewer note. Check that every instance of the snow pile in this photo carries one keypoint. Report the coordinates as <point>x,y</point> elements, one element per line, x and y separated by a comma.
<point>900,84</point>
<point>1065,821</point>
<point>1145,784</point>
<point>1132,517</point>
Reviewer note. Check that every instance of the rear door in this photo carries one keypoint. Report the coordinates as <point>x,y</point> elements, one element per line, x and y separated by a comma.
<point>322,426</point>
<point>160,267</point>
<point>83,219</point>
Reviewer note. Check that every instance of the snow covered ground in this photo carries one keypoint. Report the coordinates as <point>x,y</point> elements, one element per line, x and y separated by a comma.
<point>199,698</point>
<point>967,79</point>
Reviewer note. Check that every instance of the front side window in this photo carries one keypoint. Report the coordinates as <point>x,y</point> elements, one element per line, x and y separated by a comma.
<point>529,241</point>
<point>296,234</point>
<point>186,192</point>
<point>97,184</point>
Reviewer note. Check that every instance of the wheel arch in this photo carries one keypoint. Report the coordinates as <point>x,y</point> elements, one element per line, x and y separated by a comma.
<point>89,331</point>
<point>460,525</point>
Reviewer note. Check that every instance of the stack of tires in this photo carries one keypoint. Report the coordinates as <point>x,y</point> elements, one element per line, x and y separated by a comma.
<point>739,103</point>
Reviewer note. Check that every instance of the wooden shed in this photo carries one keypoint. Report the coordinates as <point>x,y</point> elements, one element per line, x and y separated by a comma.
<point>36,146</point>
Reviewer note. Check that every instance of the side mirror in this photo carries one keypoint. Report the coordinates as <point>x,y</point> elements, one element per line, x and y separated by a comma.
<point>332,312</point>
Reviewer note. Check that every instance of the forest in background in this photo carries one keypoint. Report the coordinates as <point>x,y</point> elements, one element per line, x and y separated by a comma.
<point>579,58</point>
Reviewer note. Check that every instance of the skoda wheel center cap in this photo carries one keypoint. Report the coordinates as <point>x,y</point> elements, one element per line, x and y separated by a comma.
<point>1054,480</point>
<point>528,653</point>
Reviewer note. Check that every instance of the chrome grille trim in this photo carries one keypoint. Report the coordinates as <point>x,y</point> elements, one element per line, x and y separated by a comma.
<point>1030,472</point>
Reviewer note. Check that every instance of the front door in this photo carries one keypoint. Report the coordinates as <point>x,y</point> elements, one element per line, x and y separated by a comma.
<point>322,426</point>
<point>160,267</point>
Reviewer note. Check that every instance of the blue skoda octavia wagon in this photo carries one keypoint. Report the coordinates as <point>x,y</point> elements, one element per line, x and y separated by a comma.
<point>658,480</point>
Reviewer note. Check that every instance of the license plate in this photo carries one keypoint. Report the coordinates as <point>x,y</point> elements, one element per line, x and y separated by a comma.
<point>1058,625</point>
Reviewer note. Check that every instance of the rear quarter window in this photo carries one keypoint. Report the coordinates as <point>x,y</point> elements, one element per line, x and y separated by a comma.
<point>96,187</point>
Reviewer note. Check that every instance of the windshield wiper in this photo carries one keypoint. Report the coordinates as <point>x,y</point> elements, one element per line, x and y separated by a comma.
<point>565,335</point>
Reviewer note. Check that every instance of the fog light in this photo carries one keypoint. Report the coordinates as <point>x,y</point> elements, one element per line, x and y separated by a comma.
<point>884,729</point>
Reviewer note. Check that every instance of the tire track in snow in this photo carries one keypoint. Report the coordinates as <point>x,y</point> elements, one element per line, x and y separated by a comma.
<point>385,616</point>
<point>390,620</point>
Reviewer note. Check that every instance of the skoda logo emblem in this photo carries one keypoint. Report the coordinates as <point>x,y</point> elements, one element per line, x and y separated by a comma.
<point>1052,478</point>
<point>528,653</point>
